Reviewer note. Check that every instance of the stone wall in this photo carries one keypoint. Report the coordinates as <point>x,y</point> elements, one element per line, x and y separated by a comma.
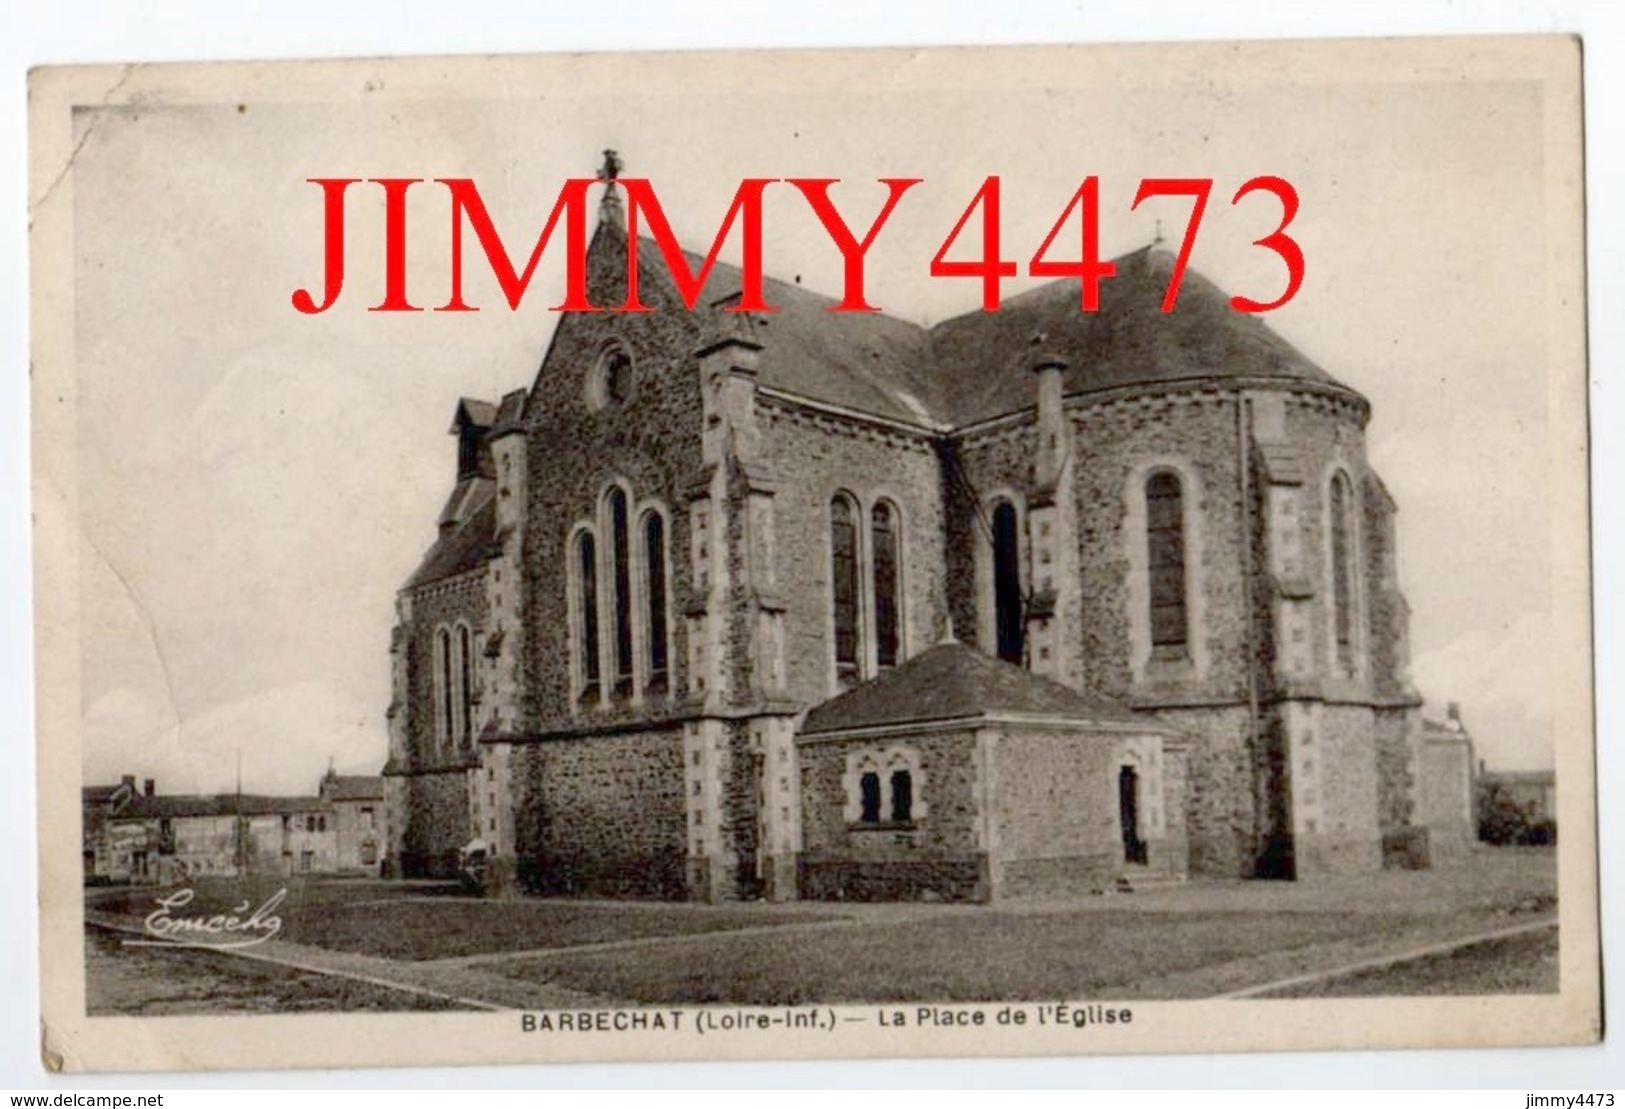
<point>939,856</point>
<point>813,457</point>
<point>1347,836</point>
<point>439,604</point>
<point>1056,804</point>
<point>601,814</point>
<point>437,823</point>
<point>574,449</point>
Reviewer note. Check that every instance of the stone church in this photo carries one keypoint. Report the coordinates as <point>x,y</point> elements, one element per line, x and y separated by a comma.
<point>830,605</point>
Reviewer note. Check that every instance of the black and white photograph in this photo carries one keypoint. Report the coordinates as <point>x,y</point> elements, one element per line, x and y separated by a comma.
<point>1011,551</point>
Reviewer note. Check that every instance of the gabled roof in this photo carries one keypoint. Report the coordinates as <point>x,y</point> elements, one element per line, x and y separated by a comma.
<point>480,413</point>
<point>954,682</point>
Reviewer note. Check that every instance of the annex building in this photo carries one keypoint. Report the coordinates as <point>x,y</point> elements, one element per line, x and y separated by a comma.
<point>831,605</point>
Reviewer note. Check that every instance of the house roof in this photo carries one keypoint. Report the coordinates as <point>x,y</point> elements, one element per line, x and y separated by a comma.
<point>230,804</point>
<point>353,787</point>
<point>952,681</point>
<point>977,366</point>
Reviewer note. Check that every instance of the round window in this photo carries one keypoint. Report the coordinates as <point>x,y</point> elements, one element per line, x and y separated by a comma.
<point>611,380</point>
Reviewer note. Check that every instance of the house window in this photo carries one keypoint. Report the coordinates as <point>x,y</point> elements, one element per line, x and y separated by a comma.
<point>654,552</point>
<point>902,797</point>
<point>621,586</point>
<point>1009,619</point>
<point>883,525</point>
<point>306,859</point>
<point>869,789</point>
<point>366,820</point>
<point>465,682</point>
<point>587,568</point>
<point>1165,541</point>
<point>844,587</point>
<point>1342,584</point>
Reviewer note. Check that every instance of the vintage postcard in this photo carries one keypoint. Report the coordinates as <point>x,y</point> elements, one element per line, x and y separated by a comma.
<point>1055,550</point>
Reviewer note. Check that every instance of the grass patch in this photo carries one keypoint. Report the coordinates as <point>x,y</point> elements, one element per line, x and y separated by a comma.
<point>152,981</point>
<point>984,956</point>
<point>1519,964</point>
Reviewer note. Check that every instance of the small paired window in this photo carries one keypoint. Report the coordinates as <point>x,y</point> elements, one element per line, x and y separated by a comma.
<point>883,788</point>
<point>901,793</point>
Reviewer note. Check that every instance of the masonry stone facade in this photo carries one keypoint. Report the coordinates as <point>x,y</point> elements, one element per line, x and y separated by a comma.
<point>696,592</point>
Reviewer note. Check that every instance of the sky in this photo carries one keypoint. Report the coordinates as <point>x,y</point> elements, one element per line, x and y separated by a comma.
<point>256,484</point>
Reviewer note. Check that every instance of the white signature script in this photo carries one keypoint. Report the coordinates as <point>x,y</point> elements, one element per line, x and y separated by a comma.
<point>236,928</point>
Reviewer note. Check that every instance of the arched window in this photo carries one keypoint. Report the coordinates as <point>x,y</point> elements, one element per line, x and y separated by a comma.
<point>902,797</point>
<point>465,689</point>
<point>654,554</point>
<point>1342,583</point>
<point>869,790</point>
<point>1007,607</point>
<point>621,584</point>
<point>843,527</point>
<point>1165,540</point>
<point>883,527</point>
<point>445,717</point>
<point>587,569</point>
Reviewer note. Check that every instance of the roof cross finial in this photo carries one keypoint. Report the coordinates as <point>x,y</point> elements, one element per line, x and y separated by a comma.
<point>609,208</point>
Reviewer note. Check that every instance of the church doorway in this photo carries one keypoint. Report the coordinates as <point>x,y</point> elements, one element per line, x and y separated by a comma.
<point>1128,812</point>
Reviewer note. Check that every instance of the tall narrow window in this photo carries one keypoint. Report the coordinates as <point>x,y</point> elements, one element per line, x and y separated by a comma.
<point>869,796</point>
<point>1342,586</point>
<point>443,667</point>
<point>587,568</point>
<point>883,526</point>
<point>844,587</point>
<point>654,550</point>
<point>1165,539</point>
<point>465,663</point>
<point>1008,617</point>
<point>902,797</point>
<point>622,586</point>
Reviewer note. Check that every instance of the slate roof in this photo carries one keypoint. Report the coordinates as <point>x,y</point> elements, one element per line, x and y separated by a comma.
<point>977,366</point>
<point>465,545</point>
<point>983,359</point>
<point>867,361</point>
<point>951,682</point>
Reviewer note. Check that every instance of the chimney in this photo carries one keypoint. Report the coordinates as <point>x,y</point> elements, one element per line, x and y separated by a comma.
<point>128,782</point>
<point>149,787</point>
<point>1453,712</point>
